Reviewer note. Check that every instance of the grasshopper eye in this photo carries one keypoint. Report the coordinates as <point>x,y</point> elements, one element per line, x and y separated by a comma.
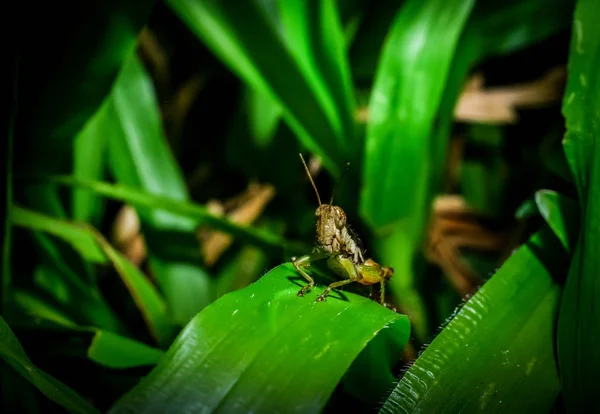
<point>339,217</point>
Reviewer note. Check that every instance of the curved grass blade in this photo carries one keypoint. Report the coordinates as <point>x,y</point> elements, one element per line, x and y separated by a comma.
<point>506,329</point>
<point>408,88</point>
<point>261,238</point>
<point>114,351</point>
<point>578,334</point>
<point>141,158</point>
<point>89,163</point>
<point>244,37</point>
<point>12,352</point>
<point>230,356</point>
<point>406,95</point>
<point>562,215</point>
<point>106,348</point>
<point>492,29</point>
<point>316,40</point>
<point>148,300</point>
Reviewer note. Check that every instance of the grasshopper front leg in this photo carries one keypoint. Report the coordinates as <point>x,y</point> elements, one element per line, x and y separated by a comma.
<point>303,262</point>
<point>343,267</point>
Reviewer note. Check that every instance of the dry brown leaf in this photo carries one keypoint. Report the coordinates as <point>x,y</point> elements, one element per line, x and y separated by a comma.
<point>498,105</point>
<point>455,226</point>
<point>243,209</point>
<point>127,236</point>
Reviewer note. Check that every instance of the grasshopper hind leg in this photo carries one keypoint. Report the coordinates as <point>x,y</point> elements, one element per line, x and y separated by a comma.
<point>301,264</point>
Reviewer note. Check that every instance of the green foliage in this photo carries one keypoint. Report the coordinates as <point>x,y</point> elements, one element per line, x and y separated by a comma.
<point>208,367</point>
<point>579,316</point>
<point>12,352</point>
<point>184,121</point>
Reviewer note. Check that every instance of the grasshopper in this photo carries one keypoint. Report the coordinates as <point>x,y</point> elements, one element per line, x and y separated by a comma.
<point>342,249</point>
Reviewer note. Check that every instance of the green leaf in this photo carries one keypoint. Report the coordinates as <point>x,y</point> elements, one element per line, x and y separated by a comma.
<point>244,37</point>
<point>506,328</point>
<point>89,163</point>
<point>12,352</point>
<point>408,88</point>
<point>141,158</point>
<point>406,95</point>
<point>261,238</point>
<point>562,215</point>
<point>92,245</point>
<point>493,28</point>
<point>115,351</point>
<point>578,334</point>
<point>230,356</point>
<point>315,38</point>
<point>77,235</point>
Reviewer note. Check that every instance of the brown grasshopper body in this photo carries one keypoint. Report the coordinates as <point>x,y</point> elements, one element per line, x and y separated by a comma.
<point>340,246</point>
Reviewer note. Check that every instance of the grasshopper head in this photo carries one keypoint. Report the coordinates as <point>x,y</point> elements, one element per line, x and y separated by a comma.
<point>332,216</point>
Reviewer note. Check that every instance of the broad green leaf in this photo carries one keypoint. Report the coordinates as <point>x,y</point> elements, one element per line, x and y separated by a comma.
<point>408,88</point>
<point>493,28</point>
<point>230,356</point>
<point>12,352</point>
<point>141,158</point>
<point>116,351</point>
<point>406,95</point>
<point>244,37</point>
<point>562,215</point>
<point>261,238</point>
<point>147,299</point>
<point>578,334</point>
<point>315,38</point>
<point>496,354</point>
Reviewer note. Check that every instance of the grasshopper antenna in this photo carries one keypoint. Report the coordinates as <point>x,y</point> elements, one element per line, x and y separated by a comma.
<point>339,182</point>
<point>310,178</point>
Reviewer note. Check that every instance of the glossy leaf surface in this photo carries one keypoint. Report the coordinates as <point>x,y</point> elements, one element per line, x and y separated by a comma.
<point>506,328</point>
<point>230,355</point>
<point>578,333</point>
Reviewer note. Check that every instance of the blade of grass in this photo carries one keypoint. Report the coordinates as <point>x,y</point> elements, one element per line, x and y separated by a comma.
<point>315,38</point>
<point>492,29</point>
<point>148,300</point>
<point>118,352</point>
<point>141,158</point>
<point>406,95</point>
<point>562,215</point>
<point>105,348</point>
<point>261,238</point>
<point>89,163</point>
<point>12,352</point>
<point>506,329</point>
<point>405,98</point>
<point>578,334</point>
<point>243,36</point>
<point>230,355</point>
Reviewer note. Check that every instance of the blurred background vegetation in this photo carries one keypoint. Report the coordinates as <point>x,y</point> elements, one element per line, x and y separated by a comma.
<point>152,169</point>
